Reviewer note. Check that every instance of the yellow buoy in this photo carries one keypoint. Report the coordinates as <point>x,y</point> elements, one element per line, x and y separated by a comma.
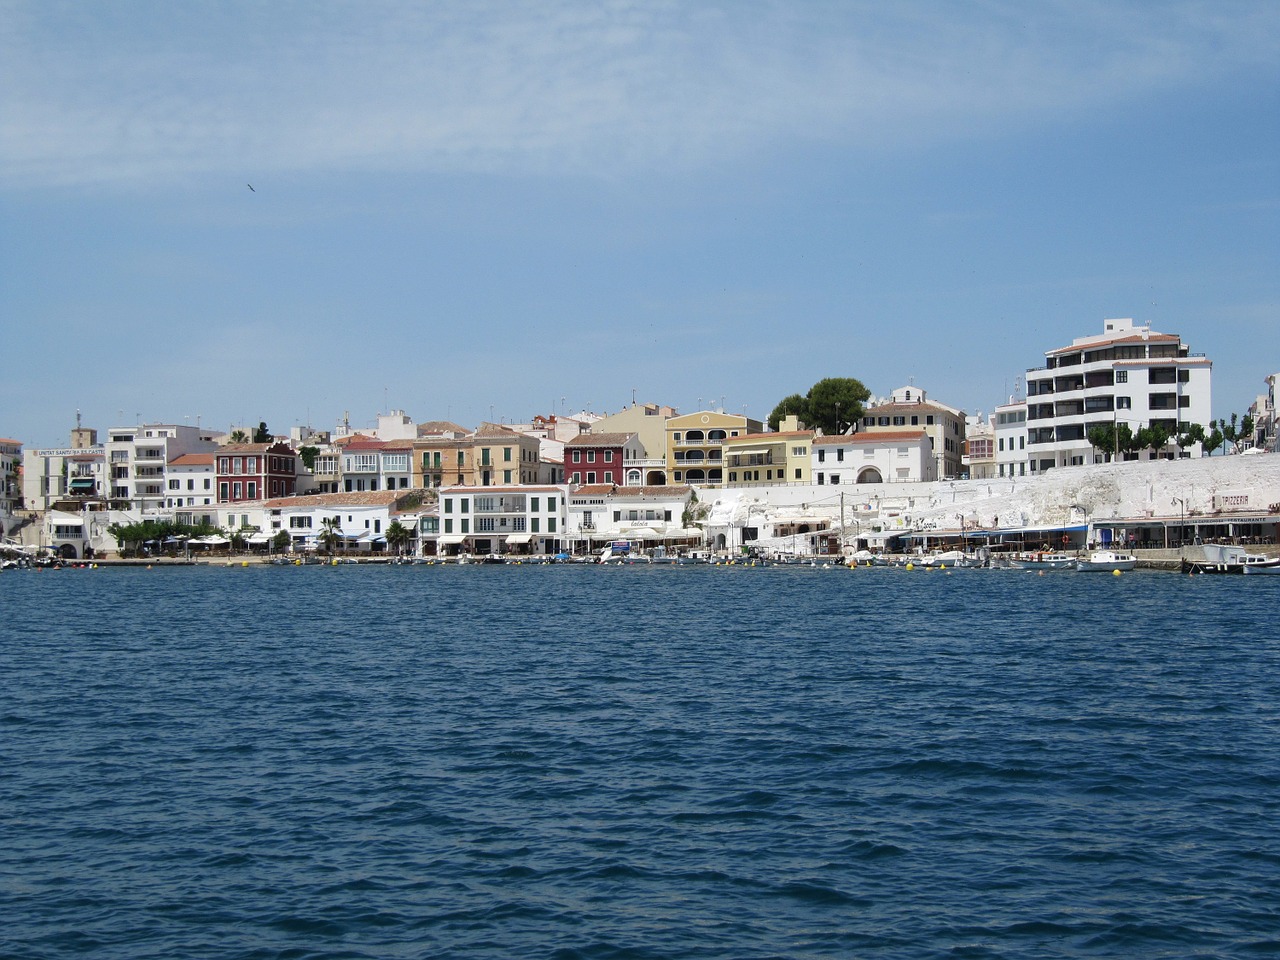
<point>911,566</point>
<point>1115,573</point>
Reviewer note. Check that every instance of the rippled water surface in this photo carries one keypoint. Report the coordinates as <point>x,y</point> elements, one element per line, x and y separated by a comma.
<point>564,762</point>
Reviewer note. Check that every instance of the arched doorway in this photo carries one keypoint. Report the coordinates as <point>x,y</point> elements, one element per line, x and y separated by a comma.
<point>870,475</point>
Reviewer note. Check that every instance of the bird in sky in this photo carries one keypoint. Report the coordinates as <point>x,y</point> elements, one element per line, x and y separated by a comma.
<point>250,186</point>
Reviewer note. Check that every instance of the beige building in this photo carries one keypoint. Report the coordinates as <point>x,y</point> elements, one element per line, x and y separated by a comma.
<point>909,409</point>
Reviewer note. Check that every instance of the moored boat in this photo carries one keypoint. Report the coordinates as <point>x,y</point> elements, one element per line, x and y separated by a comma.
<point>1106,561</point>
<point>1262,565</point>
<point>1219,558</point>
<point>1044,561</point>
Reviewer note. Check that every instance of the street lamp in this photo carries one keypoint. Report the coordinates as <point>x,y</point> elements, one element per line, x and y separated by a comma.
<point>1182,522</point>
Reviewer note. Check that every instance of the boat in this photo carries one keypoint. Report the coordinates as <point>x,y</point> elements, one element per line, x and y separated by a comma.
<point>1044,561</point>
<point>1262,565</point>
<point>1221,558</point>
<point>1106,561</point>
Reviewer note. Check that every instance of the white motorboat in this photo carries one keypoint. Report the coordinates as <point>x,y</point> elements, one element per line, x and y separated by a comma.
<point>1261,565</point>
<point>1106,561</point>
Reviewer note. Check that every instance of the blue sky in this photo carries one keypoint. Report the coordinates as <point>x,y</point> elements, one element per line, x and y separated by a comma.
<point>482,210</point>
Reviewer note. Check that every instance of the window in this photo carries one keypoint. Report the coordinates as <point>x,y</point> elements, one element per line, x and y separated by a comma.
<point>506,476</point>
<point>551,524</point>
<point>591,476</point>
<point>175,484</point>
<point>608,456</point>
<point>466,526</point>
<point>448,504</point>
<point>448,525</point>
<point>577,456</point>
<point>533,524</point>
<point>252,490</point>
<point>506,454</point>
<point>929,420</point>
<point>591,456</point>
<point>899,421</point>
<point>1124,403</point>
<point>1122,376</point>
<point>533,501</point>
<point>235,491</point>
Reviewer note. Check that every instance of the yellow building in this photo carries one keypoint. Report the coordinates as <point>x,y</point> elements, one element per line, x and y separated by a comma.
<point>696,441</point>
<point>755,458</point>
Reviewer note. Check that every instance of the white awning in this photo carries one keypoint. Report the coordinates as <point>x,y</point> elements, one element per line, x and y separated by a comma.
<point>452,538</point>
<point>519,537</point>
<point>261,538</point>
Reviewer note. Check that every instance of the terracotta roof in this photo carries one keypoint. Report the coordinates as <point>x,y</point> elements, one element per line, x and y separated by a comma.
<point>434,427</point>
<point>599,440</point>
<point>367,498</point>
<point>193,460</point>
<point>16,443</point>
<point>364,443</point>
<point>908,406</point>
<point>872,436</point>
<point>497,430</point>
<point>609,489</point>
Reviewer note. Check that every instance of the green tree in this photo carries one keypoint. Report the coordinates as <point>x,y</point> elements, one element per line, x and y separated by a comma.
<point>281,541</point>
<point>330,533</point>
<point>831,405</point>
<point>308,455</point>
<point>397,536</point>
<point>239,436</point>
<point>794,405</point>
<point>1191,434</point>
<point>1153,438</point>
<point>1102,437</point>
<point>262,434</point>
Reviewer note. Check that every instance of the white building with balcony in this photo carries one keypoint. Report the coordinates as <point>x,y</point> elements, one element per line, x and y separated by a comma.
<point>524,519</point>
<point>1129,374</point>
<point>1010,423</point>
<point>645,516</point>
<point>138,459</point>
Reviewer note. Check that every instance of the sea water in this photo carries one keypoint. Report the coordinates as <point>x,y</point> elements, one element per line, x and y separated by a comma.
<point>637,762</point>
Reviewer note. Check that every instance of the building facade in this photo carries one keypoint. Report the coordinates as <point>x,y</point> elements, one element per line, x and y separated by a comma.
<point>255,471</point>
<point>882,456</point>
<point>138,459</point>
<point>592,458</point>
<point>695,445</point>
<point>909,408</point>
<point>501,519</point>
<point>1129,374</point>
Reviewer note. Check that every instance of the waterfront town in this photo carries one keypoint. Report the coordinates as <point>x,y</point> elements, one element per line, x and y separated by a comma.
<point>1108,443</point>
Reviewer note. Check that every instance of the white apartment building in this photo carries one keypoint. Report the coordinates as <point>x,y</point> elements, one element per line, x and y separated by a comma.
<point>502,519</point>
<point>138,459</point>
<point>1129,374</point>
<point>1266,419</point>
<point>189,481</point>
<point>1010,423</point>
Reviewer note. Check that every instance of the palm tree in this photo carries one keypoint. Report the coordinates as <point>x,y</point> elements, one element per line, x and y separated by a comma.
<point>239,436</point>
<point>331,533</point>
<point>397,536</point>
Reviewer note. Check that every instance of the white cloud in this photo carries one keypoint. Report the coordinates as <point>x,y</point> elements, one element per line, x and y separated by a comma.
<point>91,92</point>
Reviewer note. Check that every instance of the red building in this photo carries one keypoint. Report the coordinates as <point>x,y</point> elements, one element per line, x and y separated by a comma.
<point>256,471</point>
<point>599,457</point>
